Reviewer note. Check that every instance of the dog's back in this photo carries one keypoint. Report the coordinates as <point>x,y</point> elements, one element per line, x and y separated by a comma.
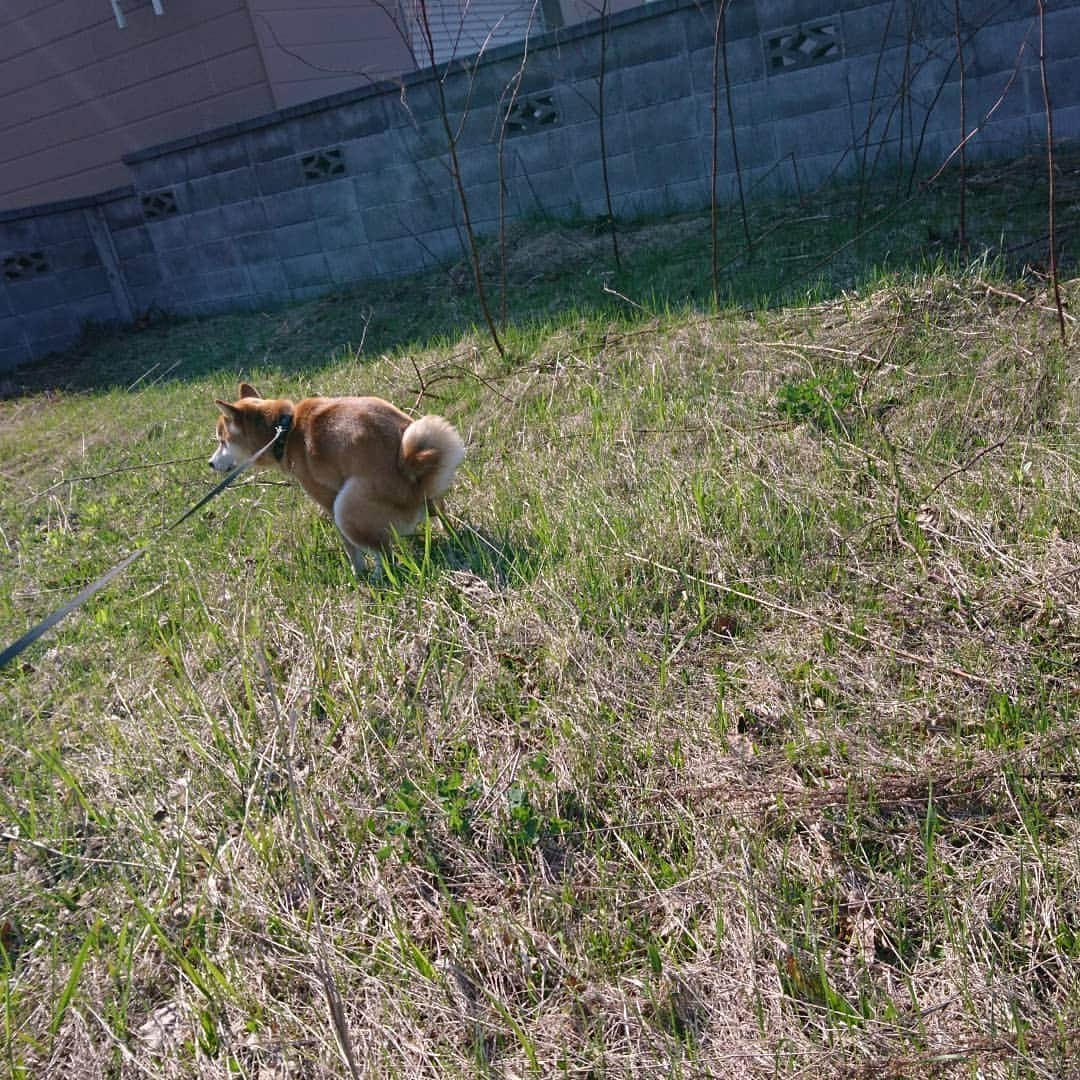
<point>404,461</point>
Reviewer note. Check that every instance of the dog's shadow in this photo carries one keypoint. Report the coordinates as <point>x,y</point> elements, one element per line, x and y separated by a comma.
<point>457,548</point>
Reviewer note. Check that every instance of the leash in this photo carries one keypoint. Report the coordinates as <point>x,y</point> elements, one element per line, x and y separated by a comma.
<point>76,602</point>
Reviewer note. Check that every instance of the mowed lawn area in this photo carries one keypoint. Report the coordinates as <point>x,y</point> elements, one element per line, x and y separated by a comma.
<point>728,728</point>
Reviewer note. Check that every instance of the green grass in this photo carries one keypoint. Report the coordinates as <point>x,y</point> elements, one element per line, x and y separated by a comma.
<point>729,730</point>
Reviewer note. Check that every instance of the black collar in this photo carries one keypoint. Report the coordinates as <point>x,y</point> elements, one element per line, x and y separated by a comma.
<point>284,426</point>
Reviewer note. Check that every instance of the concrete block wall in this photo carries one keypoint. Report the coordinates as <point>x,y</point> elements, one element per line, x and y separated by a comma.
<point>356,186</point>
<point>58,273</point>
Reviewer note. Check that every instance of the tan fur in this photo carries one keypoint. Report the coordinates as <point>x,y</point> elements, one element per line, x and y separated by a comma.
<point>372,468</point>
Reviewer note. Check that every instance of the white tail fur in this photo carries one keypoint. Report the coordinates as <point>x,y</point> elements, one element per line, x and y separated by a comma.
<point>432,433</point>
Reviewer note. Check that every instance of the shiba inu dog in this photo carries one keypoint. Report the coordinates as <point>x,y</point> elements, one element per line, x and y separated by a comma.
<point>373,469</point>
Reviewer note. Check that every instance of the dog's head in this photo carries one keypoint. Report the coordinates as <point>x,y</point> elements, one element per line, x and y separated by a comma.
<point>244,427</point>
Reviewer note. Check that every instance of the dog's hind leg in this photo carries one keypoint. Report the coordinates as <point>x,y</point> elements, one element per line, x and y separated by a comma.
<point>353,518</point>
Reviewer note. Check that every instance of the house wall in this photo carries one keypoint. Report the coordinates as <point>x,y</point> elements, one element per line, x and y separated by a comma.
<point>77,93</point>
<point>355,186</point>
<point>312,48</point>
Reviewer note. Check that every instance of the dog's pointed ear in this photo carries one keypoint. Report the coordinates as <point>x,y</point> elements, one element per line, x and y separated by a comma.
<point>247,390</point>
<point>226,408</point>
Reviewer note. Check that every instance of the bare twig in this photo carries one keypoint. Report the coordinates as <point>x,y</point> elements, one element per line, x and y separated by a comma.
<point>506,107</point>
<point>612,225</point>
<point>459,184</point>
<point>962,227</point>
<point>1055,285</point>
<point>113,472</point>
<point>731,127</point>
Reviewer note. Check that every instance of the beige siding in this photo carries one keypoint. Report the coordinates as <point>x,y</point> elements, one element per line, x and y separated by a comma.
<point>77,92</point>
<point>312,48</point>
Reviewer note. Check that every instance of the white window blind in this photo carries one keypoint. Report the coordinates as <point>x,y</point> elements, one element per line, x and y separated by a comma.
<point>462,28</point>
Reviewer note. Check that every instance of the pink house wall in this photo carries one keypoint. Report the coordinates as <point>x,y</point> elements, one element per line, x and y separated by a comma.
<point>312,48</point>
<point>77,92</point>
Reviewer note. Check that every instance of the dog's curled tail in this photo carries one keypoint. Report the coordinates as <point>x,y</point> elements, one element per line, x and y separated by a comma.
<point>431,451</point>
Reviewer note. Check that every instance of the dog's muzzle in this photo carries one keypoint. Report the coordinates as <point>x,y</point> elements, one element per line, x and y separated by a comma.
<point>222,460</point>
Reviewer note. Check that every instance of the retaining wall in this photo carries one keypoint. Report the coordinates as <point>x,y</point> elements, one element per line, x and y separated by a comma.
<point>355,186</point>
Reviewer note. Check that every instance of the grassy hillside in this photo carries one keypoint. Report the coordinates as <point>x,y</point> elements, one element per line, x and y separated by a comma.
<point>729,731</point>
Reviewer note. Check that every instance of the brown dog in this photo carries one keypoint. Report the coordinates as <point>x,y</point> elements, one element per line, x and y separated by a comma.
<point>373,469</point>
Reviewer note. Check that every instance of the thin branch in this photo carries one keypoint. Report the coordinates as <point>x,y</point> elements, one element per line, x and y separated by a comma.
<point>113,472</point>
<point>1052,220</point>
<point>459,184</point>
<point>962,228</point>
<point>603,136</point>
